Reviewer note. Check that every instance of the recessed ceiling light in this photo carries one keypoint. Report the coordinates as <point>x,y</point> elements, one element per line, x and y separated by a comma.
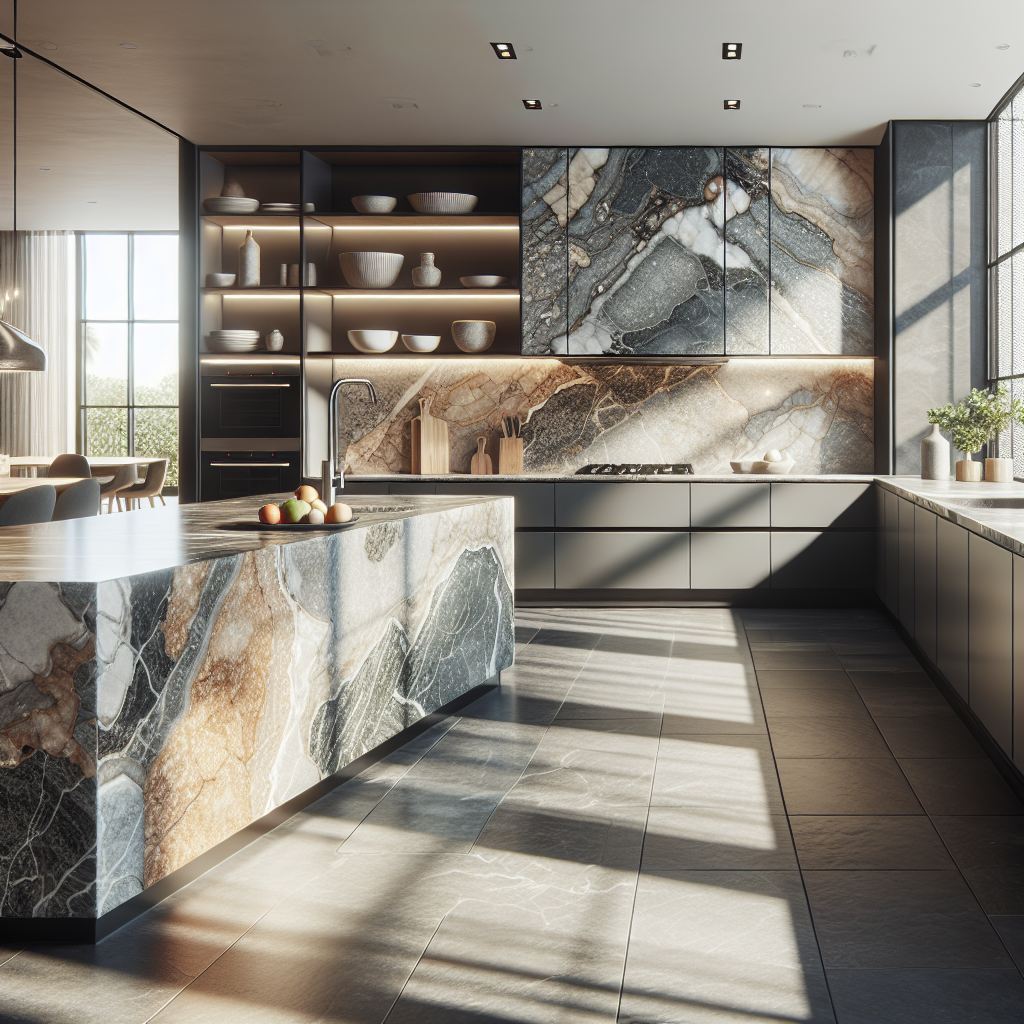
<point>732,51</point>
<point>128,46</point>
<point>505,51</point>
<point>812,106</point>
<point>532,105</point>
<point>44,168</point>
<point>731,104</point>
<point>975,85</point>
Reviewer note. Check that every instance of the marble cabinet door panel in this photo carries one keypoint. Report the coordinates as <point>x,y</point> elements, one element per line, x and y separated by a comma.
<point>747,251</point>
<point>646,251</point>
<point>822,251</point>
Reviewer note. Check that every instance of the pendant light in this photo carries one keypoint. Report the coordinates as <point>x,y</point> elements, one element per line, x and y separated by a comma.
<point>17,350</point>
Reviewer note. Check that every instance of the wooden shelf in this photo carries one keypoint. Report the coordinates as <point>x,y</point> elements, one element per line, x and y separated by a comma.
<point>275,290</point>
<point>249,357</point>
<point>399,352</point>
<point>259,221</point>
<point>417,293</point>
<point>413,221</point>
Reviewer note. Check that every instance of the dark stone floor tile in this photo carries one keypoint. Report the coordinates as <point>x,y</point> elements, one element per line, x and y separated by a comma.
<point>990,853</point>
<point>999,890</point>
<point>798,661</point>
<point>1011,931</point>
<point>826,737</point>
<point>524,634</point>
<point>791,646</point>
<point>784,635</point>
<point>854,785</point>
<point>901,919</point>
<point>789,679</point>
<point>868,842</point>
<point>940,735</point>
<point>645,646</point>
<point>926,996</point>
<point>862,636</point>
<point>566,638</point>
<point>904,701</point>
<point>796,702</point>
<point>868,662</point>
<point>952,785</point>
<point>915,677</point>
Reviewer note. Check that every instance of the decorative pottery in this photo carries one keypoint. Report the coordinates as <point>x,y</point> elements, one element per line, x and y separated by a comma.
<point>282,272</point>
<point>441,202</point>
<point>372,342</point>
<point>934,456</point>
<point>421,342</point>
<point>483,281</point>
<point>229,204</point>
<point>284,209</point>
<point>249,263</point>
<point>374,204</point>
<point>774,468</point>
<point>220,280</point>
<point>426,275</point>
<point>473,335</point>
<point>744,466</point>
<point>999,471</point>
<point>233,189</point>
<point>968,470</point>
<point>275,341</point>
<point>371,269</point>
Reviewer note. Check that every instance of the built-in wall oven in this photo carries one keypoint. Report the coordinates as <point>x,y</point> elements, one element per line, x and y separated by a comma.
<point>238,474</point>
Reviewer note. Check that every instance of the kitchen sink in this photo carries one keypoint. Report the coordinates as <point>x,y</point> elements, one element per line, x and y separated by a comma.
<point>362,509</point>
<point>984,503</point>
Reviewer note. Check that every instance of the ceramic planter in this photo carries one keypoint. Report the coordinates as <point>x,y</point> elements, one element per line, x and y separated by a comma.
<point>969,470</point>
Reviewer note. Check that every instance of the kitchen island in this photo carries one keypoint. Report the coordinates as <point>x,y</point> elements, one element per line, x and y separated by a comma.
<point>166,680</point>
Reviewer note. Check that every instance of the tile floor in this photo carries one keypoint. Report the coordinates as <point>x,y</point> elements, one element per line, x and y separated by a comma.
<point>664,815</point>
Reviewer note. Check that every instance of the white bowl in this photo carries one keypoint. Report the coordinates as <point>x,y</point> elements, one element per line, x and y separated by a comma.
<point>483,281</point>
<point>374,204</point>
<point>371,269</point>
<point>441,202</point>
<point>230,204</point>
<point>473,335</point>
<point>284,208</point>
<point>774,468</point>
<point>421,342</point>
<point>371,342</point>
<point>220,280</point>
<point>217,343</point>
<point>744,466</point>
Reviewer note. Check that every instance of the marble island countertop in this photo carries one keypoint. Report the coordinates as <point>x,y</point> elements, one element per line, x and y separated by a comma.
<point>129,543</point>
<point>1002,526</point>
<point>834,478</point>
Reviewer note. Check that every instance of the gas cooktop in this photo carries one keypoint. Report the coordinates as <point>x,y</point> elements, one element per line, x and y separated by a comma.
<point>636,469</point>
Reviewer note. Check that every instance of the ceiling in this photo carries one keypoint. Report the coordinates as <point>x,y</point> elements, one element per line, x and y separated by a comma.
<point>608,72</point>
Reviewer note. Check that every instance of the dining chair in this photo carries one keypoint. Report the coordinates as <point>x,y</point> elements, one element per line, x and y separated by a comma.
<point>78,501</point>
<point>70,465</point>
<point>32,505</point>
<point>152,487</point>
<point>124,477</point>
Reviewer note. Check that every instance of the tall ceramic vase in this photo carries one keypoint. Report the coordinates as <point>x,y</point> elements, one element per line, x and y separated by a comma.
<point>249,263</point>
<point>934,456</point>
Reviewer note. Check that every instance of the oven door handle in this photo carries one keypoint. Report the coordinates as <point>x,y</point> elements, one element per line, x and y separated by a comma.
<point>248,385</point>
<point>250,463</point>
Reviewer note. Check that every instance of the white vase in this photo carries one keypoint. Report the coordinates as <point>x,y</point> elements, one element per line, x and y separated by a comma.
<point>249,263</point>
<point>274,341</point>
<point>968,470</point>
<point>999,471</point>
<point>934,456</point>
<point>426,275</point>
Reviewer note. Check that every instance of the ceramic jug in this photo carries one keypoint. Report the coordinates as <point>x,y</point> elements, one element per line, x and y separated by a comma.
<point>426,275</point>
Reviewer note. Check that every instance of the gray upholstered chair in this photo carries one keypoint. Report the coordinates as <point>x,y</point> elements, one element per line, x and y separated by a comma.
<point>70,465</point>
<point>124,478</point>
<point>78,501</point>
<point>152,487</point>
<point>32,505</point>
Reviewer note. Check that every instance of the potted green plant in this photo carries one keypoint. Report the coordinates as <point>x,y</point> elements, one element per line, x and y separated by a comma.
<point>973,422</point>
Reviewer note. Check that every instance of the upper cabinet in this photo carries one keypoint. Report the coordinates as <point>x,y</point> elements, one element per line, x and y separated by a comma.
<point>698,251</point>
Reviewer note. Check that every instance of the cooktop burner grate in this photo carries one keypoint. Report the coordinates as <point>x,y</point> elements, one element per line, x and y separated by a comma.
<point>636,469</point>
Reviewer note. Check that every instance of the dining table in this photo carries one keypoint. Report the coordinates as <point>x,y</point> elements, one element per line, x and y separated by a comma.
<point>101,465</point>
<point>12,484</point>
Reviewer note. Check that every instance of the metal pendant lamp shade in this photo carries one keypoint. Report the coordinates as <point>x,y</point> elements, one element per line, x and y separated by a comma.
<point>18,351</point>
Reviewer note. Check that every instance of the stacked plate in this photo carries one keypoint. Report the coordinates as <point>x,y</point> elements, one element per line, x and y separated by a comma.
<point>285,208</point>
<point>233,341</point>
<point>230,204</point>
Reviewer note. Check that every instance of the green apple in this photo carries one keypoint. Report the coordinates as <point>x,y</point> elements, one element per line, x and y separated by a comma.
<point>293,510</point>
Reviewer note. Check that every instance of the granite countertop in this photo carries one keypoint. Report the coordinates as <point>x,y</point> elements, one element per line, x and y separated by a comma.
<point>835,478</point>
<point>1002,526</point>
<point>130,543</point>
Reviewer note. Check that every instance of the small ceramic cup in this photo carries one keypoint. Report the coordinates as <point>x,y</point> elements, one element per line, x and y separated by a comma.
<point>473,335</point>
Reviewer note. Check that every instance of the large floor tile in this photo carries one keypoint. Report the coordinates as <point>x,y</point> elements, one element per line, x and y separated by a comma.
<point>868,842</point>
<point>817,646</point>
<point>826,737</point>
<point>915,677</point>
<point>900,919</point>
<point>942,735</point>
<point>903,701</point>
<point>846,786</point>
<point>723,946</point>
<point>786,702</point>
<point>879,662</point>
<point>990,853</point>
<point>927,996</point>
<point>796,661</point>
<point>755,635</point>
<point>960,786</point>
<point>1011,930</point>
<point>790,679</point>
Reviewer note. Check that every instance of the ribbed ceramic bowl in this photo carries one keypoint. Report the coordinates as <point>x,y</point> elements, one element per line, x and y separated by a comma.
<point>230,204</point>
<point>483,281</point>
<point>371,269</point>
<point>374,204</point>
<point>473,335</point>
<point>421,342</point>
<point>441,202</point>
<point>371,342</point>
<point>220,280</point>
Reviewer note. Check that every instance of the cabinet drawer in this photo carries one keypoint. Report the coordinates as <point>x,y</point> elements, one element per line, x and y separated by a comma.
<point>717,505</point>
<point>643,561</point>
<point>830,561</point>
<point>729,561</point>
<point>535,561</point>
<point>817,506</point>
<point>535,503</point>
<point>624,505</point>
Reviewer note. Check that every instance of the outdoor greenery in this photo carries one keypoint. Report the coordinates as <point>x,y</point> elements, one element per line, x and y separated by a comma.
<point>979,418</point>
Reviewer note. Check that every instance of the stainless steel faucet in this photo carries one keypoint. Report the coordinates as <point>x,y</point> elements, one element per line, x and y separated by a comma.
<point>330,479</point>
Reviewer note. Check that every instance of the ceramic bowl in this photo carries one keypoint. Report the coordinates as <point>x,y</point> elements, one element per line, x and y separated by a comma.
<point>483,281</point>
<point>744,466</point>
<point>473,335</point>
<point>774,468</point>
<point>374,204</point>
<point>441,202</point>
<point>371,269</point>
<point>220,280</point>
<point>281,208</point>
<point>230,204</point>
<point>421,342</point>
<point>372,342</point>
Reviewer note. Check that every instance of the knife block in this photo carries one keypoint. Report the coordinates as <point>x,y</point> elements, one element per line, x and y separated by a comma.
<point>510,456</point>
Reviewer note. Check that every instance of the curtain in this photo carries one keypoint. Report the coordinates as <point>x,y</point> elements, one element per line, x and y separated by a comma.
<point>34,407</point>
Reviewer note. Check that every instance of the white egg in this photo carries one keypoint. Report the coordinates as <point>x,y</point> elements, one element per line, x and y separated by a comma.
<point>314,516</point>
<point>773,456</point>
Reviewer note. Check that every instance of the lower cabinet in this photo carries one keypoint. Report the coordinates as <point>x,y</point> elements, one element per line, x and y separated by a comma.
<point>730,561</point>
<point>952,605</point>
<point>535,561</point>
<point>924,580</point>
<point>891,550</point>
<point>829,561</point>
<point>622,560</point>
<point>905,563</point>
<point>1018,661</point>
<point>990,646</point>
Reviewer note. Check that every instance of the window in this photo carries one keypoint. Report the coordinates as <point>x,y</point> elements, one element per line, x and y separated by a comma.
<point>1006,261</point>
<point>128,345</point>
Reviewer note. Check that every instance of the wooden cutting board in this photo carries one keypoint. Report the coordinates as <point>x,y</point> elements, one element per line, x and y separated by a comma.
<point>481,462</point>
<point>414,442</point>
<point>433,442</point>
